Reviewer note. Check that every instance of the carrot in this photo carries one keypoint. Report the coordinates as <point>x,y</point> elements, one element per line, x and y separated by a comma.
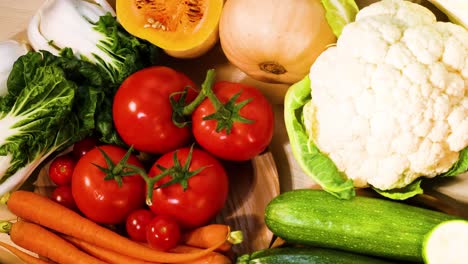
<point>39,240</point>
<point>105,254</point>
<point>43,211</point>
<point>211,258</point>
<point>208,235</point>
<point>25,257</point>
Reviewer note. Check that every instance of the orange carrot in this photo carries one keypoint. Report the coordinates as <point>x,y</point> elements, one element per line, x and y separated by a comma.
<point>211,258</point>
<point>25,257</point>
<point>104,254</point>
<point>43,211</point>
<point>208,235</point>
<point>39,240</point>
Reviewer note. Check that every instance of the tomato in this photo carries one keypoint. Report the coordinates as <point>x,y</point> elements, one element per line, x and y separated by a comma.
<point>163,233</point>
<point>81,147</point>
<point>245,140</point>
<point>137,222</point>
<point>61,169</point>
<point>205,194</point>
<point>103,200</point>
<point>142,110</point>
<point>63,195</point>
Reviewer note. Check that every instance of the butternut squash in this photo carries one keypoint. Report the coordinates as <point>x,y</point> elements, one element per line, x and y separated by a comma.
<point>183,29</point>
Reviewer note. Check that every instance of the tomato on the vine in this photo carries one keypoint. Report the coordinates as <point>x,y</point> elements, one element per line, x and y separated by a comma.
<point>163,233</point>
<point>136,224</point>
<point>238,126</point>
<point>61,169</point>
<point>143,113</point>
<point>194,188</point>
<point>103,193</point>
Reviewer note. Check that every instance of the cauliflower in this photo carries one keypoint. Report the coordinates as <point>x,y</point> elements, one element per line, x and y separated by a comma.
<point>389,101</point>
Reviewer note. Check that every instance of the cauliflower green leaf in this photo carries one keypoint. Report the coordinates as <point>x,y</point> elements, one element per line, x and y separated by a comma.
<point>339,13</point>
<point>404,193</point>
<point>460,166</point>
<point>317,165</point>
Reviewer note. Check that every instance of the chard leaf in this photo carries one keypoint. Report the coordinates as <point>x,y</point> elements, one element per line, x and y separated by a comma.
<point>403,193</point>
<point>92,76</point>
<point>339,13</point>
<point>315,164</point>
<point>44,111</point>
<point>128,53</point>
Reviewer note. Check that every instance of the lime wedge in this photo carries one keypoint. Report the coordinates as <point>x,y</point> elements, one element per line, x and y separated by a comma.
<point>446,243</point>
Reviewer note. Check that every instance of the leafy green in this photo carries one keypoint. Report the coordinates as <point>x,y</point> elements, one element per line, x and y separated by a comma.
<point>339,13</point>
<point>460,166</point>
<point>314,163</point>
<point>128,54</point>
<point>403,193</point>
<point>92,33</point>
<point>45,110</point>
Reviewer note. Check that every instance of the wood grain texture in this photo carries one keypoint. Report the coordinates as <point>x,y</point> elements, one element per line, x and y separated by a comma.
<point>15,15</point>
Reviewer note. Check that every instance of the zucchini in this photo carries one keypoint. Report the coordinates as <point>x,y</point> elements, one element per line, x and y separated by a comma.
<point>446,243</point>
<point>370,226</point>
<point>306,255</point>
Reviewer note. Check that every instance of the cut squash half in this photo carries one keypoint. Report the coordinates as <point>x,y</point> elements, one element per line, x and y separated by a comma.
<point>182,28</point>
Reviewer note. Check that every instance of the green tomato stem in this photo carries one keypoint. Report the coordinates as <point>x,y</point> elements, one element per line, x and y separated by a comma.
<point>206,91</point>
<point>179,174</point>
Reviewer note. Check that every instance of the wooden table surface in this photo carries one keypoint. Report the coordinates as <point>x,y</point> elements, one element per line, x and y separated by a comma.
<point>15,15</point>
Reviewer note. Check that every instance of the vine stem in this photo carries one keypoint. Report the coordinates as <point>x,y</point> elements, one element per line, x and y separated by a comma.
<point>205,92</point>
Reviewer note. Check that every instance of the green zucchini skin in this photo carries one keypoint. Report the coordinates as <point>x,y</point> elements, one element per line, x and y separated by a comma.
<point>306,255</point>
<point>369,226</point>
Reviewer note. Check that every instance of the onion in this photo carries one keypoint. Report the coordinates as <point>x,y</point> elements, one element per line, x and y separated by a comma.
<point>274,40</point>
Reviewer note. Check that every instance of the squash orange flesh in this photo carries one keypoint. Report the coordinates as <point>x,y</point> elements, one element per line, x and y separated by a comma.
<point>171,25</point>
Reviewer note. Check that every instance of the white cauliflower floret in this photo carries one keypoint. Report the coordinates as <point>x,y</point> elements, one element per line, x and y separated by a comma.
<point>389,101</point>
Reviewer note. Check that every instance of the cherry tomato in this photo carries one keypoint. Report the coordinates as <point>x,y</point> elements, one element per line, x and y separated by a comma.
<point>136,224</point>
<point>245,140</point>
<point>63,195</point>
<point>163,233</point>
<point>142,110</point>
<point>61,169</point>
<point>105,201</point>
<point>82,147</point>
<point>205,194</point>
